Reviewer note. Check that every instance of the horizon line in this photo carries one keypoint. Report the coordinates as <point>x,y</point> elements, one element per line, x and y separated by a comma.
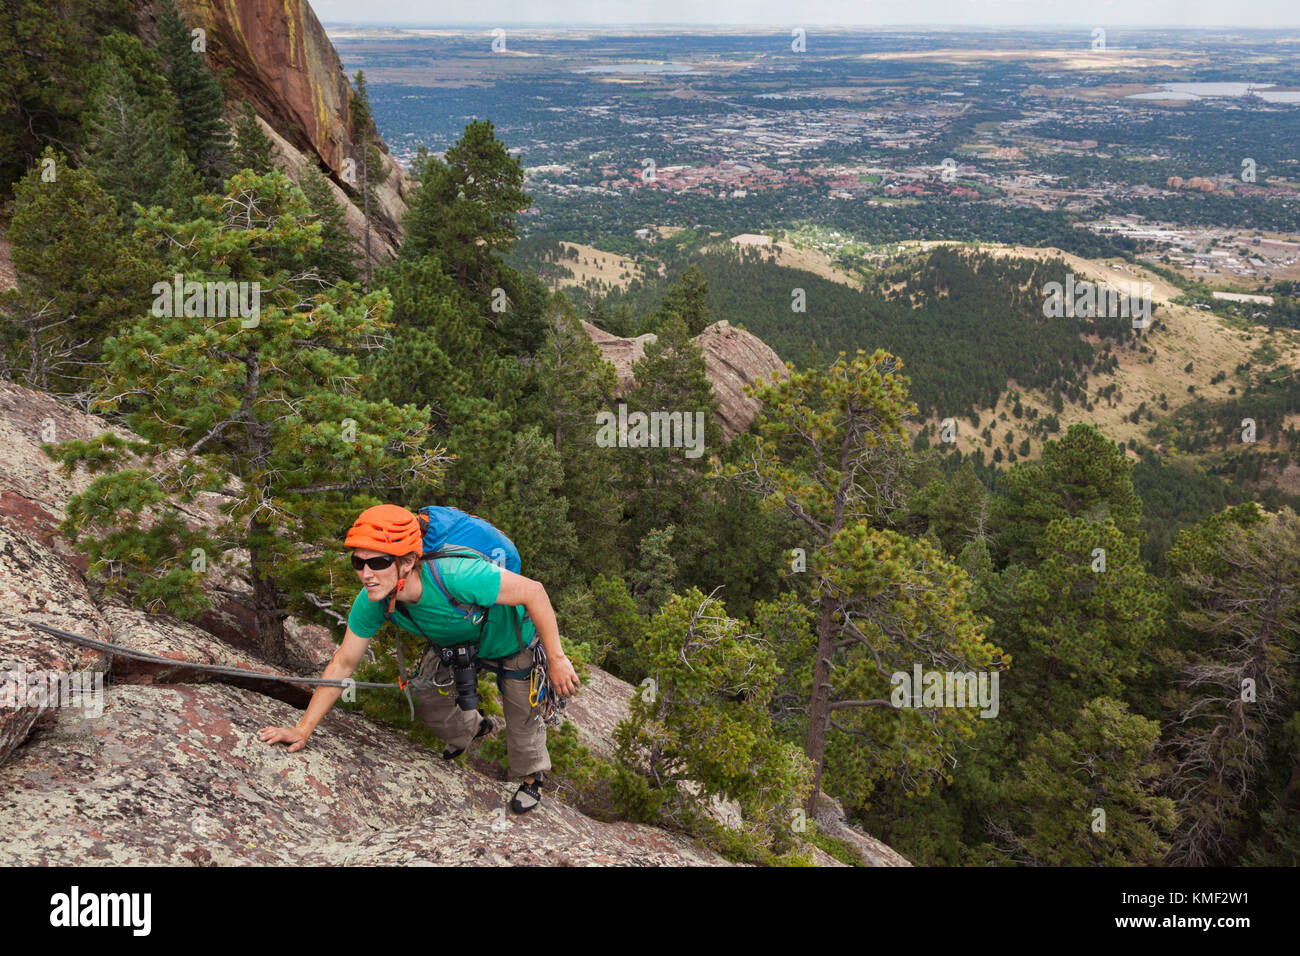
<point>752,27</point>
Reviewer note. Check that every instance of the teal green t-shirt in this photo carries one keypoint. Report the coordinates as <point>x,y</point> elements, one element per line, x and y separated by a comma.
<point>469,581</point>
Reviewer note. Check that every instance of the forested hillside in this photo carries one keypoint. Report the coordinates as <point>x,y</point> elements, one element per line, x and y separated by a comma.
<point>963,323</point>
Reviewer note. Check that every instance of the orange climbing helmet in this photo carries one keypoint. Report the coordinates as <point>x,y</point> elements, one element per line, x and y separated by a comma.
<point>388,529</point>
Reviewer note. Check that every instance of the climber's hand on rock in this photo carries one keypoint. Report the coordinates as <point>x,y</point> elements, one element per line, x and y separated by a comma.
<point>292,736</point>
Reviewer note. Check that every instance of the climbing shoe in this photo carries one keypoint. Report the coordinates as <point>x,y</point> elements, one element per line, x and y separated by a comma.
<point>528,795</point>
<point>485,727</point>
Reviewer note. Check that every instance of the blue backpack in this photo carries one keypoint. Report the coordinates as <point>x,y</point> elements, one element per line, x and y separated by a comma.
<point>451,526</point>
<point>451,533</point>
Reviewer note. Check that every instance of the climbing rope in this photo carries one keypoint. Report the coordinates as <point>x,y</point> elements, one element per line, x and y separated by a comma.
<point>121,651</point>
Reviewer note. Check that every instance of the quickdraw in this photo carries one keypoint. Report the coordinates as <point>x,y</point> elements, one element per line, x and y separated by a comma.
<point>546,705</point>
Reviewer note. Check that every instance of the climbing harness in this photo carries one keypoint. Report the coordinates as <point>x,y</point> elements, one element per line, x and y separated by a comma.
<point>540,694</point>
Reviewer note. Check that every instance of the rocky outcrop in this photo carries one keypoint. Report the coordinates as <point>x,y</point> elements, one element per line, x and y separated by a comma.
<point>176,775</point>
<point>279,59</point>
<point>620,352</point>
<point>830,817</point>
<point>733,359</point>
<point>736,358</point>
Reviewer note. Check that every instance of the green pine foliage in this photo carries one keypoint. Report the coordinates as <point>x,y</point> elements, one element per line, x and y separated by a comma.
<point>531,506</point>
<point>335,260</point>
<point>883,601</point>
<point>604,617</point>
<point>242,395</point>
<point>699,728</point>
<point>688,299</point>
<point>44,80</point>
<point>659,482</point>
<point>199,100</point>
<point>252,148</point>
<point>573,383</point>
<point>901,603</point>
<point>1086,614</point>
<point>80,277</point>
<point>463,213</point>
<point>128,140</point>
<point>1087,796</point>
<point>1083,474</point>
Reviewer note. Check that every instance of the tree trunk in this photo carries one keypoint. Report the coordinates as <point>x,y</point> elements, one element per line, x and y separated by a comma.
<point>270,624</point>
<point>819,713</point>
<point>365,199</point>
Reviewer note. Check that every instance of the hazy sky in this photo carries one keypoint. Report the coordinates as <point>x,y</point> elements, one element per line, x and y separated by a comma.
<point>934,13</point>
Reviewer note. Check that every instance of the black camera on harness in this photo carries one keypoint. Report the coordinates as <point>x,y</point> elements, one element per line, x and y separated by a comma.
<point>462,660</point>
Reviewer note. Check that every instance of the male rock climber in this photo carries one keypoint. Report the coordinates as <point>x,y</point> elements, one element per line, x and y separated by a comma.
<point>386,549</point>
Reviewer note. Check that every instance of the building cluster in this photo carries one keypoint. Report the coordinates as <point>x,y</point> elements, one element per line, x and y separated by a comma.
<point>1210,252</point>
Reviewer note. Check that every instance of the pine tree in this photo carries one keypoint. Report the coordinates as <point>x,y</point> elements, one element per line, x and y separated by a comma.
<point>253,149</point>
<point>1080,623</point>
<point>831,450</point>
<point>464,210</point>
<point>750,541</point>
<point>438,359</point>
<point>263,399</point>
<point>199,101</point>
<point>1084,474</point>
<point>127,144</point>
<point>335,260</point>
<point>651,582</point>
<point>573,384</point>
<point>666,484</point>
<point>146,71</point>
<point>700,727</point>
<point>604,618</point>
<point>954,510</point>
<point>79,276</point>
<point>532,509</point>
<point>1088,796</point>
<point>181,189</point>
<point>688,299</point>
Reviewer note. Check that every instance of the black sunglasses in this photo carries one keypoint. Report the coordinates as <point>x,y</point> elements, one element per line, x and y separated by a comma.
<point>381,563</point>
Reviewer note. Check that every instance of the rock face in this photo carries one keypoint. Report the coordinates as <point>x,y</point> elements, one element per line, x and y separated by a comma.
<point>281,61</point>
<point>176,775</point>
<point>733,359</point>
<point>830,817</point>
